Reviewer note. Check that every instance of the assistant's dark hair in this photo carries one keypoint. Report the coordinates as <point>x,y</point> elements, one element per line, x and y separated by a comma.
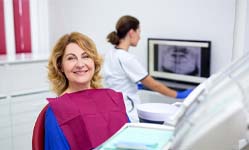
<point>123,26</point>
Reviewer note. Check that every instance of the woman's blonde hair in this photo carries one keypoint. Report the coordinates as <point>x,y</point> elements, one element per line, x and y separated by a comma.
<point>59,82</point>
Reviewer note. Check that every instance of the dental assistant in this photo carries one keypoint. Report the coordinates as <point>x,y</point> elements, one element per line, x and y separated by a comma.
<point>122,70</point>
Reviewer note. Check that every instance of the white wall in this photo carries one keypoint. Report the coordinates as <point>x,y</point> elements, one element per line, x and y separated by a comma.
<point>9,28</point>
<point>194,19</point>
<point>241,30</point>
<point>246,48</point>
<point>39,28</point>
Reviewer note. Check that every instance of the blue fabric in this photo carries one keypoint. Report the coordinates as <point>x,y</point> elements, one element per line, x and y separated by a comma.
<point>54,137</point>
<point>183,94</point>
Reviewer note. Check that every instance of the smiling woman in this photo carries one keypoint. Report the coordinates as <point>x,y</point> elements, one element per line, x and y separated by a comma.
<point>82,116</point>
<point>73,52</point>
<point>78,67</point>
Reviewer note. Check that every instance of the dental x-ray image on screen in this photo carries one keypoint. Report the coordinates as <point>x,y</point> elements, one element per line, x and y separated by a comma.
<point>185,61</point>
<point>179,59</point>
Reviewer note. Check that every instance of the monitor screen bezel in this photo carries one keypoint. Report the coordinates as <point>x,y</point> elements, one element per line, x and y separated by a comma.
<point>205,47</point>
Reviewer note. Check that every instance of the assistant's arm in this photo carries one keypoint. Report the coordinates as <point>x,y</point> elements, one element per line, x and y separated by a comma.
<point>154,85</point>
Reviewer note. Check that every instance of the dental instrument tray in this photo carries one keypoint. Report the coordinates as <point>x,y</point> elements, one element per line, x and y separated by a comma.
<point>139,136</point>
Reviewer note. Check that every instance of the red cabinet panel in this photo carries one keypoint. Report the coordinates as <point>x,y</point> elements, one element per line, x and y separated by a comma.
<point>22,26</point>
<point>2,30</point>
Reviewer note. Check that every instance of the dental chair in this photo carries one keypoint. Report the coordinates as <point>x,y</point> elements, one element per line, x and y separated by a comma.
<point>38,131</point>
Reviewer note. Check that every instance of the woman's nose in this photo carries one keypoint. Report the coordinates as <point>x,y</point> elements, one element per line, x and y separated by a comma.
<point>80,63</point>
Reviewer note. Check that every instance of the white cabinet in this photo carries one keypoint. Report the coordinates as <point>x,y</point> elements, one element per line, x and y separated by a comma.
<point>24,112</point>
<point>23,92</point>
<point>18,115</point>
<point>23,76</point>
<point>5,123</point>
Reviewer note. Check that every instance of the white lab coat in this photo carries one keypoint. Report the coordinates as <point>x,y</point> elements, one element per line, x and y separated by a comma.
<point>121,72</point>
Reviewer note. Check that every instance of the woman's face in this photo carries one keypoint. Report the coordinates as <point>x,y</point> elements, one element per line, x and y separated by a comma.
<point>77,66</point>
<point>135,37</point>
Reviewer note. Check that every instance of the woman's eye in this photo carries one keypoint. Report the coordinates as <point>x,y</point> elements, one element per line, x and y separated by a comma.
<point>85,56</point>
<point>70,58</point>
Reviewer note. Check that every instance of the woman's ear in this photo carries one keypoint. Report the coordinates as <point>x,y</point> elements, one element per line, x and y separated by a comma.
<point>61,69</point>
<point>59,66</point>
<point>131,32</point>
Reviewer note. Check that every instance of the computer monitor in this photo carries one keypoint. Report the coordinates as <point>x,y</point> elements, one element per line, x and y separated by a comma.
<point>185,61</point>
